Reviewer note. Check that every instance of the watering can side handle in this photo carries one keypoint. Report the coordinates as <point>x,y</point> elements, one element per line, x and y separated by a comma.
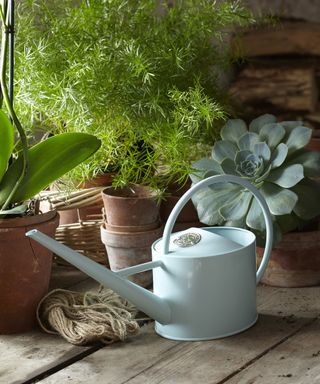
<point>215,180</point>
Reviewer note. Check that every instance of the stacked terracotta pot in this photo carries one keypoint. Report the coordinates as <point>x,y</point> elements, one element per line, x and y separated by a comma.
<point>131,225</point>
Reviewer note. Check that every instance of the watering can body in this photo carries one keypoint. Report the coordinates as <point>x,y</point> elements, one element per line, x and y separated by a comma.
<point>204,279</point>
<point>210,296</point>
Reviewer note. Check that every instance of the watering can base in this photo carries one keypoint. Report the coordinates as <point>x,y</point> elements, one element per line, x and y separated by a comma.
<point>159,328</point>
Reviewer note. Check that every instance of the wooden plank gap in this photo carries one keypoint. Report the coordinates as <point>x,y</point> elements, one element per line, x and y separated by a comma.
<point>50,370</point>
<point>259,356</point>
<point>174,347</point>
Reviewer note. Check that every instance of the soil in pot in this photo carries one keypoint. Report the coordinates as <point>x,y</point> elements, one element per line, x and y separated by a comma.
<point>25,268</point>
<point>295,261</point>
<point>130,206</point>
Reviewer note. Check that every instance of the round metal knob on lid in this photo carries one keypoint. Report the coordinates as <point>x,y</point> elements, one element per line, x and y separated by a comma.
<point>187,239</point>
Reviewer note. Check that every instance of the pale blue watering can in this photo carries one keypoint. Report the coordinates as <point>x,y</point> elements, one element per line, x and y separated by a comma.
<point>204,278</point>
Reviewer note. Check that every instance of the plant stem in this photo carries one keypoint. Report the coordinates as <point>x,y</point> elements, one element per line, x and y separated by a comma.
<point>9,104</point>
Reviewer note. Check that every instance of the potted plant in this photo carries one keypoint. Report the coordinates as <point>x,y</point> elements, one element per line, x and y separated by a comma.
<point>272,156</point>
<point>24,171</point>
<point>142,76</point>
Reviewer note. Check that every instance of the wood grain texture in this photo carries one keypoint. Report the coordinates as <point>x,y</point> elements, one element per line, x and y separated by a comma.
<point>285,38</point>
<point>25,356</point>
<point>296,361</point>
<point>279,87</point>
<point>285,315</point>
<point>298,9</point>
<point>118,362</point>
<point>151,359</point>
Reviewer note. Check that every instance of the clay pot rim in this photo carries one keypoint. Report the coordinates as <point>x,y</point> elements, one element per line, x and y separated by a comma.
<point>28,220</point>
<point>143,192</point>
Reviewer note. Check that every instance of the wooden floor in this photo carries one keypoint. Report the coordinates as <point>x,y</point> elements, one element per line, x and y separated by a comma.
<point>283,347</point>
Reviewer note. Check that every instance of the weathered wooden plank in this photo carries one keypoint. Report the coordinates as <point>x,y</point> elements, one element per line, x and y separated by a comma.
<point>291,37</point>
<point>300,302</point>
<point>282,87</point>
<point>185,362</point>
<point>295,361</point>
<point>118,362</point>
<point>25,356</point>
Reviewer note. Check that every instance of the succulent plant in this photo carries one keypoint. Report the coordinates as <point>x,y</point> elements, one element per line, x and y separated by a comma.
<point>271,155</point>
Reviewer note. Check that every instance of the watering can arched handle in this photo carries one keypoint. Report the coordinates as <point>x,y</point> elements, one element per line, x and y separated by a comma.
<point>222,179</point>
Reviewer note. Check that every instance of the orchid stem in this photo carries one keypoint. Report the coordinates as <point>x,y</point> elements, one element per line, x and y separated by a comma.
<point>9,103</point>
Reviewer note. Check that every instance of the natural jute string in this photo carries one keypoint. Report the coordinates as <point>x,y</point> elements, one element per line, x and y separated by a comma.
<point>83,318</point>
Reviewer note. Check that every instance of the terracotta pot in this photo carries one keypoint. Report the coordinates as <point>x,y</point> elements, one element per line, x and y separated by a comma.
<point>130,206</point>
<point>188,216</point>
<point>25,268</point>
<point>128,249</point>
<point>92,212</point>
<point>295,262</point>
<point>101,180</point>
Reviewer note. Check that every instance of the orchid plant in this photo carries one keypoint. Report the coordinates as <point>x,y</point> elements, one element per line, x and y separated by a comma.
<point>25,170</point>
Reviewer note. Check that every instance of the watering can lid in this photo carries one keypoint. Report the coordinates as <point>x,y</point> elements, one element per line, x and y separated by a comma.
<point>197,242</point>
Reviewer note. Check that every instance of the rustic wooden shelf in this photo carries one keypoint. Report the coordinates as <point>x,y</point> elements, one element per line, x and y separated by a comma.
<point>283,347</point>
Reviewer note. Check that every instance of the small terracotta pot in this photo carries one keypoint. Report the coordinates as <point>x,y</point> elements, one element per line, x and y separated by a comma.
<point>129,249</point>
<point>295,262</point>
<point>101,180</point>
<point>188,216</point>
<point>130,206</point>
<point>91,212</point>
<point>25,268</point>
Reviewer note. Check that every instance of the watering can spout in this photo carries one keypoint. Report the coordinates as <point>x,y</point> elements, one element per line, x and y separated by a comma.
<point>149,303</point>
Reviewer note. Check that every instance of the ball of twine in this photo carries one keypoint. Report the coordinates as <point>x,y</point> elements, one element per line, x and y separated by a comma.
<point>83,318</point>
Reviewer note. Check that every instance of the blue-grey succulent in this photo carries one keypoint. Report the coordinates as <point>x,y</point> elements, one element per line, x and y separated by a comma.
<point>271,155</point>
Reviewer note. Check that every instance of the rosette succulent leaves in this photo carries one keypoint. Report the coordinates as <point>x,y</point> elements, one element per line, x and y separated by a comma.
<point>271,155</point>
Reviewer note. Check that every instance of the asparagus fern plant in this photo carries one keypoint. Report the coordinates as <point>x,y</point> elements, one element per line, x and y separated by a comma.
<point>25,170</point>
<point>134,73</point>
<point>271,155</point>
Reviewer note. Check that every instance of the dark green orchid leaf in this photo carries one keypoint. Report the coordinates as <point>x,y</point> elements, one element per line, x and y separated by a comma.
<point>18,210</point>
<point>287,177</point>
<point>238,208</point>
<point>248,140</point>
<point>308,205</point>
<point>280,201</point>
<point>6,142</point>
<point>279,155</point>
<point>272,134</point>
<point>257,124</point>
<point>298,138</point>
<point>224,149</point>
<point>48,160</point>
<point>262,150</point>
<point>310,162</point>
<point>233,129</point>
